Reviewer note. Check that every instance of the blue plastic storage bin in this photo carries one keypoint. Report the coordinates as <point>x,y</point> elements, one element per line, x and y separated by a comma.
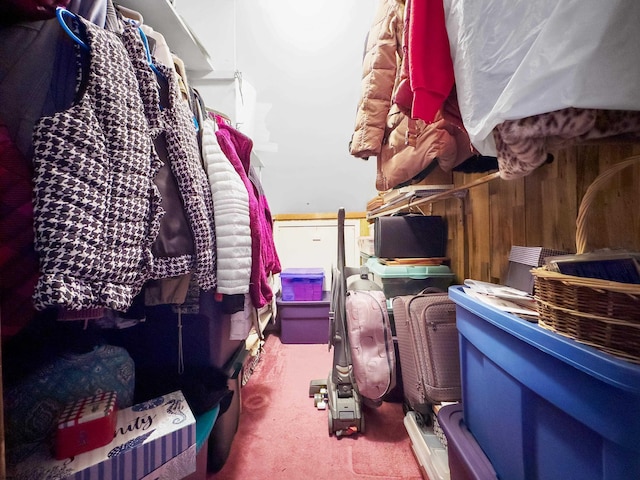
<point>542,406</point>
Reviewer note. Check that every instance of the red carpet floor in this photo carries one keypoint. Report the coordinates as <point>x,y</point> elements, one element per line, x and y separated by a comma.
<point>282,436</point>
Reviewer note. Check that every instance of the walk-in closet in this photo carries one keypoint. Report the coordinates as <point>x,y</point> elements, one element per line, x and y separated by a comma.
<point>352,239</point>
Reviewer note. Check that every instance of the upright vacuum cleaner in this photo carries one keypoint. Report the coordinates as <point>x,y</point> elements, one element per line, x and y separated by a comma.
<point>339,393</point>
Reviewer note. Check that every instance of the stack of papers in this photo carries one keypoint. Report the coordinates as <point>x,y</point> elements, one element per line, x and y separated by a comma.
<point>403,193</point>
<point>398,196</point>
<point>504,298</point>
<point>422,261</point>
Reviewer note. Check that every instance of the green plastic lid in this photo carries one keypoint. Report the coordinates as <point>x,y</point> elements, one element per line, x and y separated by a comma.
<point>407,271</point>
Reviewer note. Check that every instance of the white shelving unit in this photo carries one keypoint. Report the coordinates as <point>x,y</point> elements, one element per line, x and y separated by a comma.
<point>162,16</point>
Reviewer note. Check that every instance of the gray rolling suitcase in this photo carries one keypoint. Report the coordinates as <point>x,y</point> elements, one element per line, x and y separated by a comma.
<point>428,347</point>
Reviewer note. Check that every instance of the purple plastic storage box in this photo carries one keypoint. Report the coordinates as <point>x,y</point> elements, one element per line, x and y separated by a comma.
<point>300,284</point>
<point>543,406</point>
<point>304,321</point>
<point>467,461</point>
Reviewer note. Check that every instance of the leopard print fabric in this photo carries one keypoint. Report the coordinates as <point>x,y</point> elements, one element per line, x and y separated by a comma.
<point>523,145</point>
<point>96,208</point>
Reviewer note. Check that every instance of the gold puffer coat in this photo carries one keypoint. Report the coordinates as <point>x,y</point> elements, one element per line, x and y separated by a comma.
<point>404,147</point>
<point>382,58</point>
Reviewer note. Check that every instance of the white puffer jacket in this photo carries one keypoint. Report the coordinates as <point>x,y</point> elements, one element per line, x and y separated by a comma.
<point>231,216</point>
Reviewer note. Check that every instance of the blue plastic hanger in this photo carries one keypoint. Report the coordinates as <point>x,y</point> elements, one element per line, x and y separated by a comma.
<point>148,53</point>
<point>61,13</point>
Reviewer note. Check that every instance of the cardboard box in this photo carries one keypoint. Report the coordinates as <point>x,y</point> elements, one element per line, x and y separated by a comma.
<point>158,433</point>
<point>175,468</point>
<point>366,245</point>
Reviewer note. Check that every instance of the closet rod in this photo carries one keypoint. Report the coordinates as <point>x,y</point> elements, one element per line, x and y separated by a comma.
<point>380,211</point>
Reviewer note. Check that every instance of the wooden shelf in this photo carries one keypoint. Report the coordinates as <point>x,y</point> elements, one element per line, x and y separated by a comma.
<point>411,202</point>
<point>316,216</point>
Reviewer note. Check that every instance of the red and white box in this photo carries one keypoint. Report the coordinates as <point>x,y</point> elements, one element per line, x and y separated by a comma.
<point>86,424</point>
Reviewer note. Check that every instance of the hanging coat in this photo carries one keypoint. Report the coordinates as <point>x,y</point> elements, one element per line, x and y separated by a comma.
<point>264,260</point>
<point>96,209</point>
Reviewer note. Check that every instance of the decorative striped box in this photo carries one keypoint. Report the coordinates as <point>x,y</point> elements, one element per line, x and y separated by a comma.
<point>154,434</point>
<point>86,424</point>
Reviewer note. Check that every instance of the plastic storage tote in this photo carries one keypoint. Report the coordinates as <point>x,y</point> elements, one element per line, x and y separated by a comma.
<point>304,321</point>
<point>299,284</point>
<point>398,280</point>
<point>467,461</point>
<point>543,406</point>
<point>430,454</point>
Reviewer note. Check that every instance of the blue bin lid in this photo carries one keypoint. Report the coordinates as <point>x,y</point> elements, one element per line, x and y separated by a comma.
<point>590,360</point>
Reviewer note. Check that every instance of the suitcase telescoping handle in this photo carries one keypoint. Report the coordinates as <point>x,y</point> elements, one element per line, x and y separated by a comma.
<point>429,290</point>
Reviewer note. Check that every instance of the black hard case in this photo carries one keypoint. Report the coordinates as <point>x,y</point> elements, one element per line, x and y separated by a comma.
<point>410,236</point>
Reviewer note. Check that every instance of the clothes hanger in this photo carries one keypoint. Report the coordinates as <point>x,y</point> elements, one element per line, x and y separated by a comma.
<point>137,24</point>
<point>61,13</point>
<point>130,14</point>
<point>219,116</point>
<point>201,110</point>
<point>145,41</point>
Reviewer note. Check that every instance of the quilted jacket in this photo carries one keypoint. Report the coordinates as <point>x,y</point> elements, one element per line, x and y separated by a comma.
<point>383,51</point>
<point>231,213</point>
<point>264,259</point>
<point>383,126</point>
<point>96,209</point>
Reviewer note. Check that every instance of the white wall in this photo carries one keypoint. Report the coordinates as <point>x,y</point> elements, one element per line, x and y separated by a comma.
<point>304,60</point>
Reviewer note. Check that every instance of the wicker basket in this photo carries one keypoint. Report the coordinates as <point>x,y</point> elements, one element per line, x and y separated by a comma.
<point>596,312</point>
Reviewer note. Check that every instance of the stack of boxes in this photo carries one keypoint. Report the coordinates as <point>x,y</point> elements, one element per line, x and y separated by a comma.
<point>303,309</point>
<point>409,254</point>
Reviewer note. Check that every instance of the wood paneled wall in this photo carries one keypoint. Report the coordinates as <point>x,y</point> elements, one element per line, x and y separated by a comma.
<point>541,210</point>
